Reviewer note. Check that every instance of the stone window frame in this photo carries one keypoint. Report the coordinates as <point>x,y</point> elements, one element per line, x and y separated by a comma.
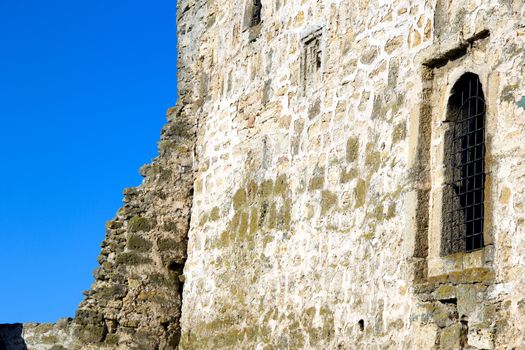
<point>439,75</point>
<point>311,54</point>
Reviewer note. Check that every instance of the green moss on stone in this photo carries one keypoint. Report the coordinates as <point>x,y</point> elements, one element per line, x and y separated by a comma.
<point>139,243</point>
<point>139,223</point>
<point>360,193</point>
<point>263,213</point>
<point>251,191</point>
<point>316,183</point>
<point>215,214</point>
<point>111,339</point>
<point>132,258</point>
<point>373,158</point>
<point>451,337</point>
<point>48,339</point>
<point>442,314</point>
<point>235,220</point>
<point>328,201</point>
<point>91,333</point>
<point>224,238</point>
<point>239,199</point>
<point>179,128</point>
<point>368,236</point>
<point>379,213</point>
<point>44,327</point>
<point>159,279</point>
<point>266,188</point>
<point>352,149</point>
<point>57,347</point>
<point>203,219</point>
<point>170,226</point>
<point>166,146</point>
<point>445,292</point>
<point>254,221</point>
<point>281,184</point>
<point>166,244</point>
<point>347,176</point>
<point>243,226</point>
<point>272,216</point>
<point>112,291</point>
<point>286,214</point>
<point>474,275</point>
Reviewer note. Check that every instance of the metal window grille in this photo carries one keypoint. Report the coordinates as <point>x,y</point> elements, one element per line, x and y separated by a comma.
<point>256,14</point>
<point>465,154</point>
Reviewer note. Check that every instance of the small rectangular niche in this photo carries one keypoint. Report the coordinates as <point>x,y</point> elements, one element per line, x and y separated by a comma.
<point>311,59</point>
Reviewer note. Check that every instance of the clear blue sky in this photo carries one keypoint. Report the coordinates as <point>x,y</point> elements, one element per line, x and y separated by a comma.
<point>84,86</point>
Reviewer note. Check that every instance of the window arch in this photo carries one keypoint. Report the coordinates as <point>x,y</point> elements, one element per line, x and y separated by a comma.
<point>463,193</point>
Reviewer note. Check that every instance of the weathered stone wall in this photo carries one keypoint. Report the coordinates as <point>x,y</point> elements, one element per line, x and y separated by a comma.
<point>295,202</point>
<point>313,219</point>
<point>135,301</point>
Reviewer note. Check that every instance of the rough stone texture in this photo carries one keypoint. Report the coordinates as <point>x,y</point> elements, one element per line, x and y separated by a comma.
<point>296,192</point>
<point>342,253</point>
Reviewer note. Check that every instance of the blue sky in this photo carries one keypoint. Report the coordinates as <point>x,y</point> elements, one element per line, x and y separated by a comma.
<point>84,87</point>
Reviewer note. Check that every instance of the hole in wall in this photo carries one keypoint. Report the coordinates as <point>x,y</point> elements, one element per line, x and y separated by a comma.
<point>453,301</point>
<point>176,267</point>
<point>361,324</point>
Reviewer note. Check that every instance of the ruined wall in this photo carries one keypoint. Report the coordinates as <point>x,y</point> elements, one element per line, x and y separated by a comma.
<point>135,301</point>
<point>313,221</point>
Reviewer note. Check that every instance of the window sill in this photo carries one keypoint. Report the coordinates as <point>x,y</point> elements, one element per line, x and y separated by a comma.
<point>442,265</point>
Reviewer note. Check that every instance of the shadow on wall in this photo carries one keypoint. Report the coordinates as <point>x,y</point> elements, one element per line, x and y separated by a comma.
<point>11,337</point>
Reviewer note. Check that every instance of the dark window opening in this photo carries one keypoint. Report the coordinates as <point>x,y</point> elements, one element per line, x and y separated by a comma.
<point>311,59</point>
<point>463,196</point>
<point>256,13</point>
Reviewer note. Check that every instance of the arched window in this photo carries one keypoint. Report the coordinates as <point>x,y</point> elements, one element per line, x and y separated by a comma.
<point>463,195</point>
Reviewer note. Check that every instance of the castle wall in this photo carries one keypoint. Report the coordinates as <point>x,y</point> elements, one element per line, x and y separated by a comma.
<point>314,187</point>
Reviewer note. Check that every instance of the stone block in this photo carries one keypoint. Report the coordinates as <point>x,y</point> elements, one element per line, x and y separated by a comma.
<point>451,337</point>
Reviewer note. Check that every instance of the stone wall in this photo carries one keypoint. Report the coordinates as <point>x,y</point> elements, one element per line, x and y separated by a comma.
<point>313,222</point>
<point>295,200</point>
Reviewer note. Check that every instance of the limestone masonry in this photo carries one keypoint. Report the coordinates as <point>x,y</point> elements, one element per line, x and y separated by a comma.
<point>304,193</point>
